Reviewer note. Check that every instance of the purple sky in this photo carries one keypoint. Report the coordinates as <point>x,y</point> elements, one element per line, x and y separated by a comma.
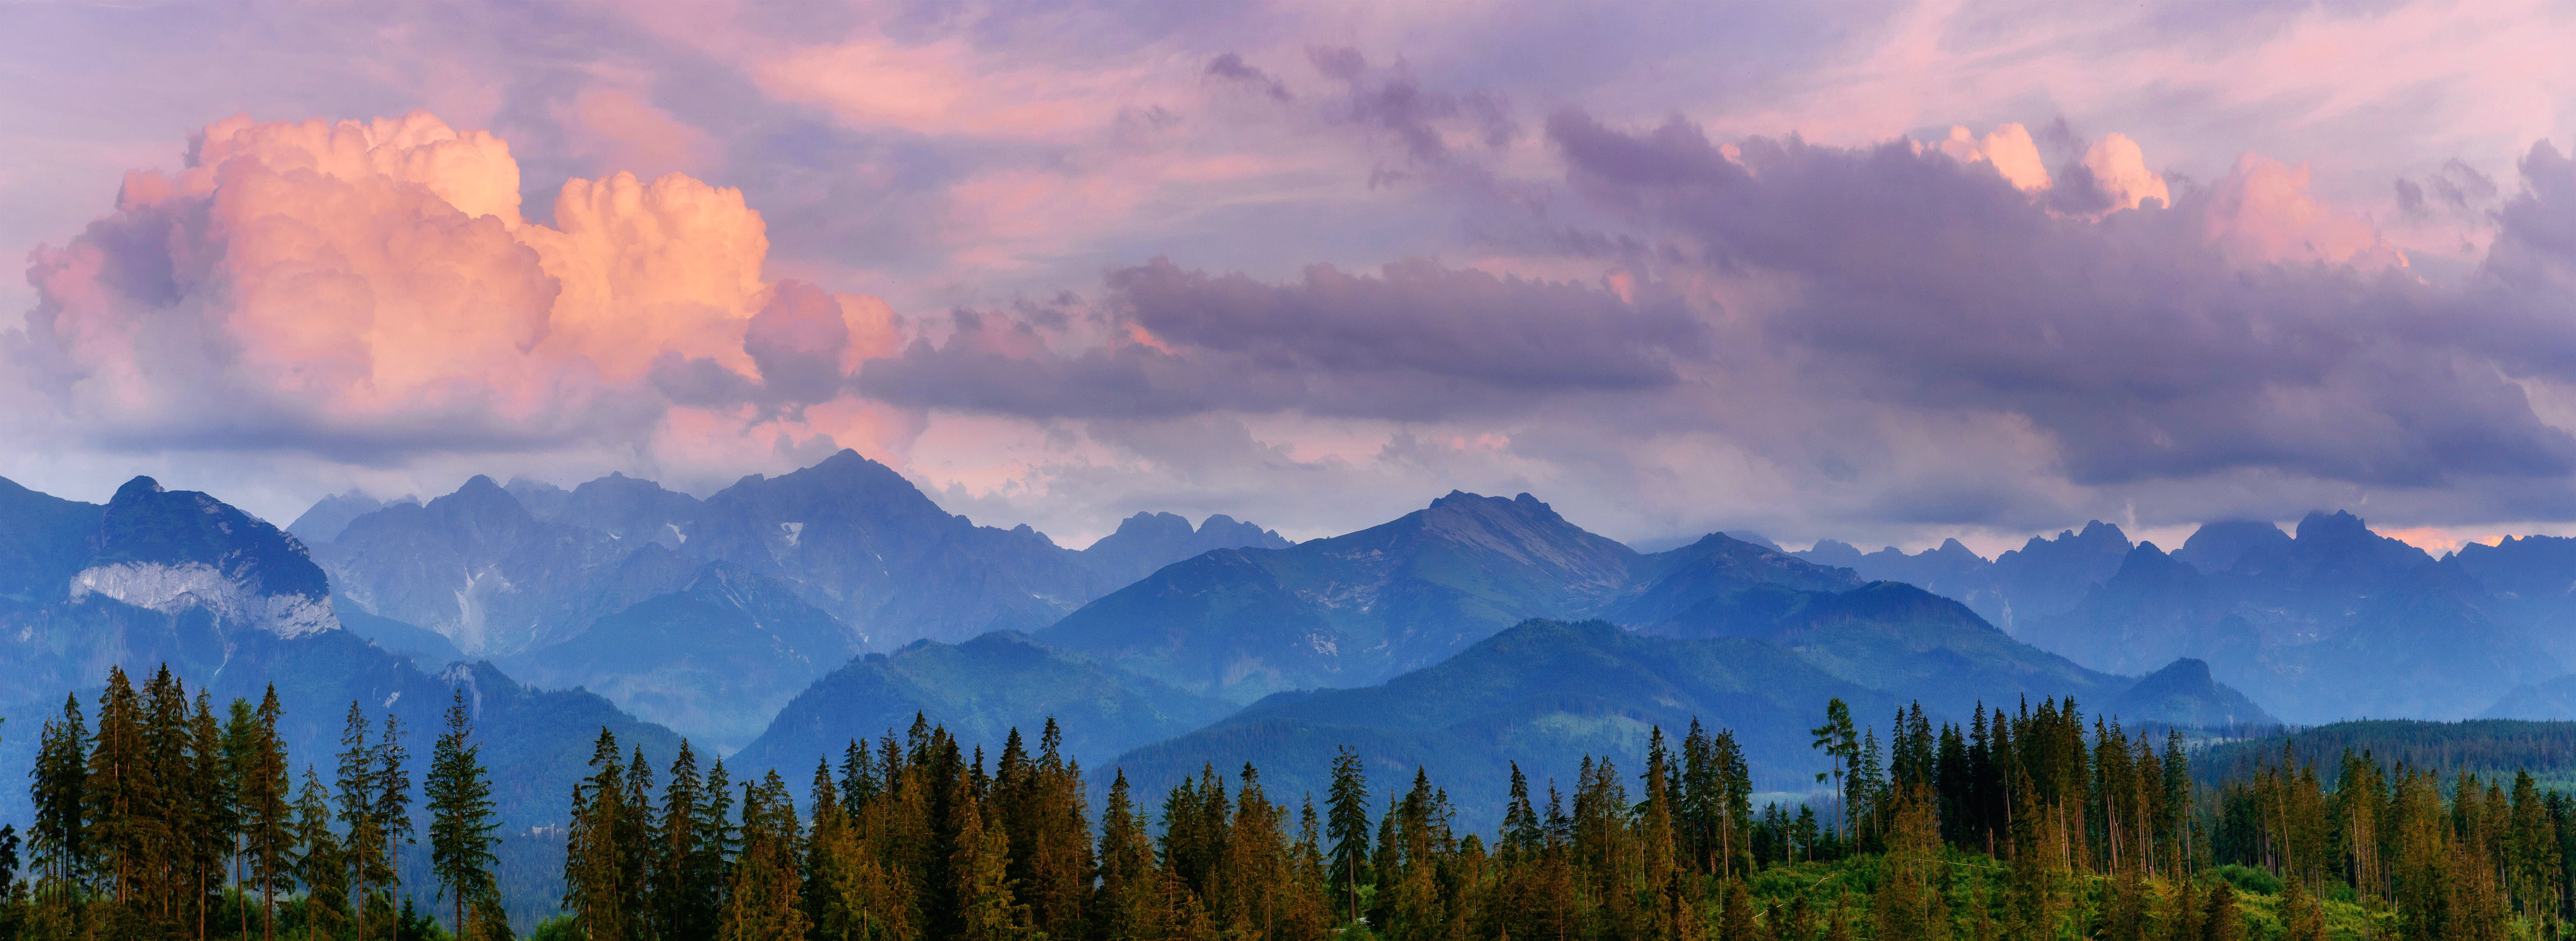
<point>1881,272</point>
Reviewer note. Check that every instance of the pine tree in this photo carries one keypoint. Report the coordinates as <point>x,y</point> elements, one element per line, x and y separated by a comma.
<point>60,795</point>
<point>241,763</point>
<point>986,910</point>
<point>212,787</point>
<point>362,842</point>
<point>595,888</point>
<point>461,823</point>
<point>1908,903</point>
<point>766,903</point>
<point>268,806</point>
<point>318,862</point>
<point>1347,826</point>
<point>1841,745</point>
<point>120,790</point>
<point>1130,883</point>
<point>391,790</point>
<point>1735,917</point>
<point>169,815</point>
<point>717,843</point>
<point>683,898</point>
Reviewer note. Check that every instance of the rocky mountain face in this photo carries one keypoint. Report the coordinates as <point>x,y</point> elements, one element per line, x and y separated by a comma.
<point>328,516</point>
<point>1357,610</point>
<point>712,661</point>
<point>478,568</point>
<point>1354,609</point>
<point>2045,576</point>
<point>173,552</point>
<point>2331,622</point>
<point>232,605</point>
<point>1148,541</point>
<point>709,615</point>
<point>506,571</point>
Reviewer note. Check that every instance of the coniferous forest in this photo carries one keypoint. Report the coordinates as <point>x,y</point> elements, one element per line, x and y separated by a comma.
<point>160,815</point>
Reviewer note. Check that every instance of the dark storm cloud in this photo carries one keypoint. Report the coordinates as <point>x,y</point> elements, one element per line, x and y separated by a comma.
<point>1416,341</point>
<point>2131,342</point>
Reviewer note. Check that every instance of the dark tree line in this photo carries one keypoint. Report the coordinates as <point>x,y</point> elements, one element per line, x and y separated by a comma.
<point>165,821</point>
<point>157,819</point>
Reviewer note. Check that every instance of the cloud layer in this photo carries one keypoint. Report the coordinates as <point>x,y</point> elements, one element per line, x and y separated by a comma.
<point>1874,271</point>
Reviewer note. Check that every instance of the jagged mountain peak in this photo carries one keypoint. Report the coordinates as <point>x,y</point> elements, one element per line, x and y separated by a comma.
<point>2219,546</point>
<point>479,496</point>
<point>2096,537</point>
<point>135,489</point>
<point>2148,566</point>
<point>1149,524</point>
<point>1521,528</point>
<point>2319,524</point>
<point>172,551</point>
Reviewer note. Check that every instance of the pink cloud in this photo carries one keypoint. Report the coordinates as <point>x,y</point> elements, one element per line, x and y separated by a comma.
<point>2263,212</point>
<point>369,289</point>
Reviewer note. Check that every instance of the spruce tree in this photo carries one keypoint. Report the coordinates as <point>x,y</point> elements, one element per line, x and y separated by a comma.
<point>318,862</point>
<point>120,789</point>
<point>1346,826</point>
<point>390,789</point>
<point>61,796</point>
<point>218,816</point>
<point>766,903</point>
<point>595,888</point>
<point>241,763</point>
<point>362,840</point>
<point>268,809</point>
<point>461,824</point>
<point>682,898</point>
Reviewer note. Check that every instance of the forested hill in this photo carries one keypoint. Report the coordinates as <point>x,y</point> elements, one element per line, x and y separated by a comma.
<point>2487,748</point>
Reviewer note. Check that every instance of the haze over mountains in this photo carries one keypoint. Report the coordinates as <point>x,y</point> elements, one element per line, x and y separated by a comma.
<point>778,619</point>
<point>2331,621</point>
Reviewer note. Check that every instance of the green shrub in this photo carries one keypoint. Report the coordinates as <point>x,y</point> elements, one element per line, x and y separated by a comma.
<point>2250,879</point>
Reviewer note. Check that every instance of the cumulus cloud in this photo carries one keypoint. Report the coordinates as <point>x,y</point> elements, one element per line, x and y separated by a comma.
<point>2119,167</point>
<point>2008,148</point>
<point>370,291</point>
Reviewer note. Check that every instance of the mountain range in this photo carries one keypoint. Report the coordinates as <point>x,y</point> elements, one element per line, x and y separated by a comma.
<point>2328,621</point>
<point>777,620</point>
<point>232,605</point>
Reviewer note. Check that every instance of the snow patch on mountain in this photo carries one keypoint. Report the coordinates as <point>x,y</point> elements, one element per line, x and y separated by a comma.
<point>172,588</point>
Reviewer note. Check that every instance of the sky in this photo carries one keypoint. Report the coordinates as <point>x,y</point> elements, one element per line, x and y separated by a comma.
<point>1883,272</point>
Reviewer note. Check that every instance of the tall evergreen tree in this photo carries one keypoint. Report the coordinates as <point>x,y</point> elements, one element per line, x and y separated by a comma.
<point>461,825</point>
<point>596,889</point>
<point>363,842</point>
<point>218,819</point>
<point>268,811</point>
<point>390,789</point>
<point>60,795</point>
<point>120,791</point>
<point>1346,826</point>
<point>682,878</point>
<point>318,862</point>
